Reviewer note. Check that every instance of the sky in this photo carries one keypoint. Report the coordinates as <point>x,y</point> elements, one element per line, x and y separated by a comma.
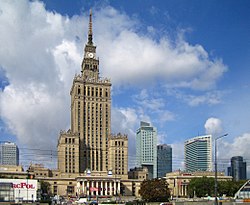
<point>181,65</point>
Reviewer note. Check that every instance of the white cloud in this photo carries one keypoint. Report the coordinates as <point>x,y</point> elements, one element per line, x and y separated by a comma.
<point>213,126</point>
<point>140,60</point>
<point>211,98</point>
<point>238,147</point>
<point>39,63</point>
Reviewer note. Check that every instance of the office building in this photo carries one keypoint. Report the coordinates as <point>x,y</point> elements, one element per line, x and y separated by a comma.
<point>9,154</point>
<point>238,168</point>
<point>164,160</point>
<point>146,148</point>
<point>198,154</point>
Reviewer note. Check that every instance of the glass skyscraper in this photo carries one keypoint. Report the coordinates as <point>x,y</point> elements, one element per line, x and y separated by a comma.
<point>146,148</point>
<point>238,169</point>
<point>164,160</point>
<point>198,154</point>
<point>9,154</point>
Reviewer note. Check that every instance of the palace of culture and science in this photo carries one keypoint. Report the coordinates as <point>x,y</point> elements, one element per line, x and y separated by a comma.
<point>91,161</point>
<point>88,145</point>
<point>97,160</point>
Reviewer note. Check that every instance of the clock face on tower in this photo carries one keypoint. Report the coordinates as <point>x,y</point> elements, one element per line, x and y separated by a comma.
<point>90,55</point>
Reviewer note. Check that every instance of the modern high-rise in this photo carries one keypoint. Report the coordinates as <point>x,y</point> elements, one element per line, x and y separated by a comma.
<point>198,153</point>
<point>164,160</point>
<point>238,169</point>
<point>146,148</point>
<point>9,154</point>
<point>87,144</point>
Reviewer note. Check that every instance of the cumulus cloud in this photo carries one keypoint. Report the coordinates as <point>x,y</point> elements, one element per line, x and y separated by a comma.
<point>41,51</point>
<point>40,59</point>
<point>213,126</point>
<point>238,147</point>
<point>140,60</point>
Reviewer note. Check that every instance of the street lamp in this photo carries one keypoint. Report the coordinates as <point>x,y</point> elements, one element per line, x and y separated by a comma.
<point>215,167</point>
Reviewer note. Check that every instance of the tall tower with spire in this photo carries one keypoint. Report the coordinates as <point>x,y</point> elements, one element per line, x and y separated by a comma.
<point>85,146</point>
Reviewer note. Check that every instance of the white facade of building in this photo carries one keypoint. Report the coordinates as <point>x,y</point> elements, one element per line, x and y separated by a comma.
<point>198,154</point>
<point>18,189</point>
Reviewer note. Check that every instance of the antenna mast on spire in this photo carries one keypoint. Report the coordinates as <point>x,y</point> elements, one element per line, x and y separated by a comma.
<point>90,34</point>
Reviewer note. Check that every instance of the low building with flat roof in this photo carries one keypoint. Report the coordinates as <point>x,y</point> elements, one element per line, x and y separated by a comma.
<point>179,180</point>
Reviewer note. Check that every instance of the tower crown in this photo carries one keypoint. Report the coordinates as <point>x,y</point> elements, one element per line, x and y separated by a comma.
<point>90,63</point>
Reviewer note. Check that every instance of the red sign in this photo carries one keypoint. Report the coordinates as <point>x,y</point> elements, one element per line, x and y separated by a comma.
<point>23,185</point>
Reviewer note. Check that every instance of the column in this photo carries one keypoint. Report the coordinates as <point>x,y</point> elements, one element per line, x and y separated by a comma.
<point>83,187</point>
<point>114,187</point>
<point>97,186</point>
<point>106,188</point>
<point>78,188</point>
<point>119,187</point>
<point>88,188</point>
<point>102,191</point>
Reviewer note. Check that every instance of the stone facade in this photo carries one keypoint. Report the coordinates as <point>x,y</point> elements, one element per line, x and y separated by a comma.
<point>140,173</point>
<point>178,181</point>
<point>118,155</point>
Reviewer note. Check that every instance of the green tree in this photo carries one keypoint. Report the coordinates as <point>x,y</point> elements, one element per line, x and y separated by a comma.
<point>45,190</point>
<point>154,190</point>
<point>204,186</point>
<point>229,188</point>
<point>201,187</point>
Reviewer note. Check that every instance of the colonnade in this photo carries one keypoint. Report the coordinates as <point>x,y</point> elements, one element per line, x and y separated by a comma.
<point>98,187</point>
<point>182,190</point>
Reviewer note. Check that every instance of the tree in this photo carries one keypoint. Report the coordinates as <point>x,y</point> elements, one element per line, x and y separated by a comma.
<point>204,186</point>
<point>229,188</point>
<point>154,190</point>
<point>201,187</point>
<point>45,190</point>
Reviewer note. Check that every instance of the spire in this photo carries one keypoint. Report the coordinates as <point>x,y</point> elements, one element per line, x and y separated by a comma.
<point>90,34</point>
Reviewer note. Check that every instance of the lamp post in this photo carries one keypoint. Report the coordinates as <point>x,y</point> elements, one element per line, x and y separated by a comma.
<point>215,168</point>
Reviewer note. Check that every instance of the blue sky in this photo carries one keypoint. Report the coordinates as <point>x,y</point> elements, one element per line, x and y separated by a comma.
<point>181,65</point>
